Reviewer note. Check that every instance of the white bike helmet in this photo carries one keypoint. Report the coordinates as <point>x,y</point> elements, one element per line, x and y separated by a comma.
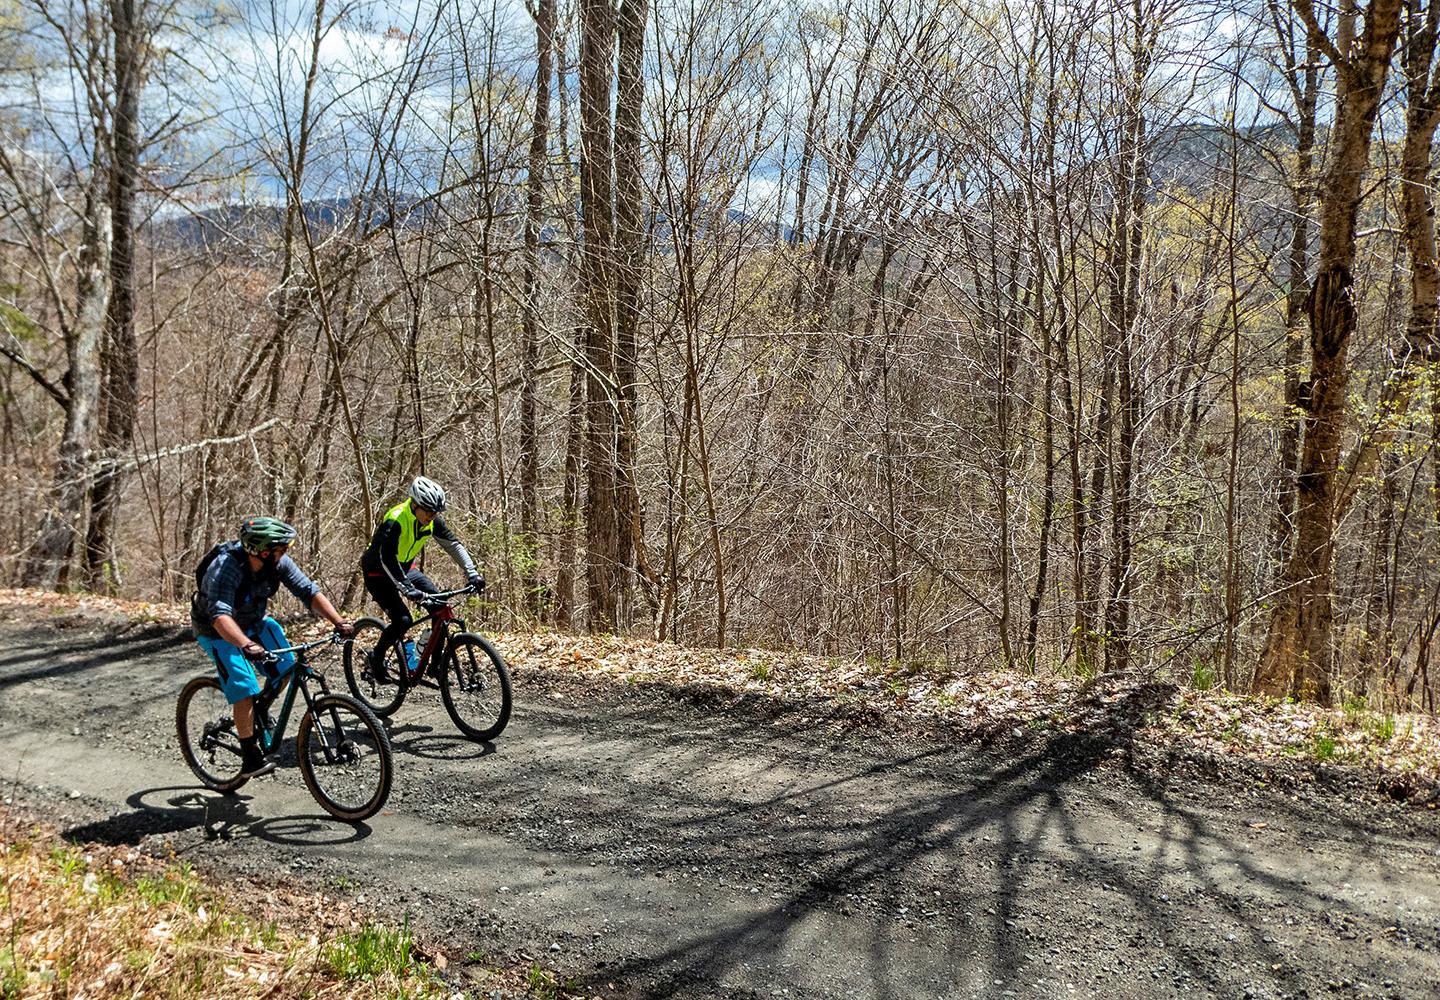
<point>428,493</point>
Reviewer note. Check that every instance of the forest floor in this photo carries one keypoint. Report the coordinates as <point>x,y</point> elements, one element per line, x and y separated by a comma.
<point>658,821</point>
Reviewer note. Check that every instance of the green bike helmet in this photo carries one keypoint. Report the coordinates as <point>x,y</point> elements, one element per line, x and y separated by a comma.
<point>259,535</point>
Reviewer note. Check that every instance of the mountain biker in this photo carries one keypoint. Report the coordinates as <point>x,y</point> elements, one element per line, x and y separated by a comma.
<point>228,615</point>
<point>389,563</point>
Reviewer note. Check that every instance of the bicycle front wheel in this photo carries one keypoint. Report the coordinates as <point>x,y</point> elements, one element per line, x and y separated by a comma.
<point>475,687</point>
<point>205,724</point>
<point>374,676</point>
<point>345,757</point>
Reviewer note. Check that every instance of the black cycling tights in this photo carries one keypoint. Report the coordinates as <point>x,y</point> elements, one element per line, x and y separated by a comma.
<point>388,596</point>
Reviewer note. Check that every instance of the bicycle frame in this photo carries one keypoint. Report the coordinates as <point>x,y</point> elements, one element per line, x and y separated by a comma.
<point>379,673</point>
<point>299,677</point>
<point>441,620</point>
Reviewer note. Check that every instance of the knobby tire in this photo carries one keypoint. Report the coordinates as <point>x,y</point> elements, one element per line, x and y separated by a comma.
<point>353,739</point>
<point>475,687</point>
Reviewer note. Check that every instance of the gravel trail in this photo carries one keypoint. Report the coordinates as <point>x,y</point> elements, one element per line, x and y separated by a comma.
<point>654,844</point>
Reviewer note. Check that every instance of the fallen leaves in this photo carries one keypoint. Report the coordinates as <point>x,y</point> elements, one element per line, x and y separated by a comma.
<point>126,925</point>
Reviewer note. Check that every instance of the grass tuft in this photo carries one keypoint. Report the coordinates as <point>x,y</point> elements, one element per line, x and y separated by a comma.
<point>1383,728</point>
<point>1202,676</point>
<point>372,951</point>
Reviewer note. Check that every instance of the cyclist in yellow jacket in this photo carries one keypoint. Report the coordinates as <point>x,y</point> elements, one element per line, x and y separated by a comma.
<point>389,562</point>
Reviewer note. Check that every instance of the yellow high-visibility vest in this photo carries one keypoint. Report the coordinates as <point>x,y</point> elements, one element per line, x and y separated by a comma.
<point>412,536</point>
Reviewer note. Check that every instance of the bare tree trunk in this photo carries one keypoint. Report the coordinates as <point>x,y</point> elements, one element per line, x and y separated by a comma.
<point>1047,416</point>
<point>1422,345</point>
<point>63,519</point>
<point>1125,278</point>
<point>565,550</point>
<point>570,496</point>
<point>1297,659</point>
<point>529,307</point>
<point>1304,80</point>
<point>120,358</point>
<point>602,544</point>
<point>629,233</point>
<point>1232,514</point>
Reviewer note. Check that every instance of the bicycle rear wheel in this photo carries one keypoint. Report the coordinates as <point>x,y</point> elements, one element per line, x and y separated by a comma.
<point>345,757</point>
<point>205,724</point>
<point>376,683</point>
<point>475,687</point>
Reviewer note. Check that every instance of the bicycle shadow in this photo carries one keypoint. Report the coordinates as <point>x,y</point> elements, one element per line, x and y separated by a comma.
<point>424,742</point>
<point>219,817</point>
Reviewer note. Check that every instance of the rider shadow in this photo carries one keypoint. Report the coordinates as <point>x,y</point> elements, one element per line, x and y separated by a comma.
<point>218,816</point>
<point>423,741</point>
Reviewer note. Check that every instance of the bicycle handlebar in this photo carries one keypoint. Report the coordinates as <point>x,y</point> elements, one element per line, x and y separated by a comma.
<point>334,638</point>
<point>445,595</point>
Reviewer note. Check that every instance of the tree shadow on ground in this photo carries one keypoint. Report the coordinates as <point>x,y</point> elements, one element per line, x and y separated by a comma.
<point>95,652</point>
<point>1023,811</point>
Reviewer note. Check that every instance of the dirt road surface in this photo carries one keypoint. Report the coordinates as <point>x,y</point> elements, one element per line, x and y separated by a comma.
<point>654,844</point>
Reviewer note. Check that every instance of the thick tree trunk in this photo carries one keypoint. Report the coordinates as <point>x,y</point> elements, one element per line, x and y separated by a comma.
<point>603,571</point>
<point>1297,659</point>
<point>529,307</point>
<point>121,355</point>
<point>630,233</point>
<point>63,519</point>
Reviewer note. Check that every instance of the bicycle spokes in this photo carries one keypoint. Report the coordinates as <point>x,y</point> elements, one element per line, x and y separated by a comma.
<point>219,735</point>
<point>208,741</point>
<point>475,687</point>
<point>344,756</point>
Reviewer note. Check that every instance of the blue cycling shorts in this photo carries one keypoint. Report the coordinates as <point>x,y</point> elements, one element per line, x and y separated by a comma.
<point>237,674</point>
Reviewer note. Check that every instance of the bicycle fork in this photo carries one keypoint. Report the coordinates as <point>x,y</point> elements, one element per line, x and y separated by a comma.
<point>332,748</point>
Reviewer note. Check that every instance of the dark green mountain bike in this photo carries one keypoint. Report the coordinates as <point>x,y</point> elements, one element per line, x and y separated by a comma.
<point>343,750</point>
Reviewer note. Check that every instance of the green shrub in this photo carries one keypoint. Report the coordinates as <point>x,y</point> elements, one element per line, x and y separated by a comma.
<point>12,976</point>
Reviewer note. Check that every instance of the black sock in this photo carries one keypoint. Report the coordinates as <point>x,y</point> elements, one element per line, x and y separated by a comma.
<point>250,745</point>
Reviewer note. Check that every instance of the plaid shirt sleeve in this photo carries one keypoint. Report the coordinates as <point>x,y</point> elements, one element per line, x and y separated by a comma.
<point>297,582</point>
<point>222,581</point>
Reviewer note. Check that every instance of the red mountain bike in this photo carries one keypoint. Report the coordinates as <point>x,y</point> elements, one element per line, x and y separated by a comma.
<point>471,674</point>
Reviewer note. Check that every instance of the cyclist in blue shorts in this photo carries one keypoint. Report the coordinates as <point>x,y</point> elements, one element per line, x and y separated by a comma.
<point>235,583</point>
